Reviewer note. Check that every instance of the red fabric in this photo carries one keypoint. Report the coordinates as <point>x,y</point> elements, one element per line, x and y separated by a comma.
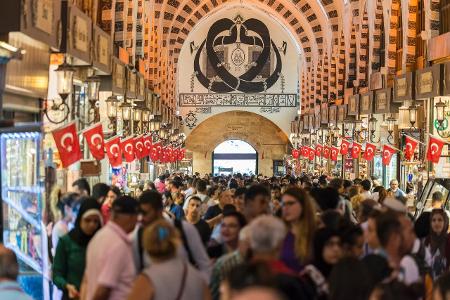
<point>319,149</point>
<point>387,154</point>
<point>278,267</point>
<point>127,146</point>
<point>106,213</point>
<point>305,151</point>
<point>434,149</point>
<point>139,149</point>
<point>147,140</point>
<point>66,139</point>
<point>356,149</point>
<point>326,152</point>
<point>295,153</point>
<point>95,141</point>
<point>410,147</point>
<point>344,147</point>
<point>114,152</point>
<point>369,153</point>
<point>334,153</point>
<point>311,154</point>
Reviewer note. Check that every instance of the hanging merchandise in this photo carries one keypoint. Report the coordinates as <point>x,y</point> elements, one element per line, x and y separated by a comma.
<point>147,140</point>
<point>326,152</point>
<point>410,147</point>
<point>434,149</point>
<point>95,141</point>
<point>311,154</point>
<point>388,152</point>
<point>127,146</point>
<point>139,149</point>
<point>344,147</point>
<point>319,149</point>
<point>334,153</point>
<point>356,149</point>
<point>114,152</point>
<point>370,151</point>
<point>295,153</point>
<point>66,139</point>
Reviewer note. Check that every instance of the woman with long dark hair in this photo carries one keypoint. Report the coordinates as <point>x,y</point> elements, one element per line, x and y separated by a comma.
<point>437,242</point>
<point>298,210</point>
<point>70,257</point>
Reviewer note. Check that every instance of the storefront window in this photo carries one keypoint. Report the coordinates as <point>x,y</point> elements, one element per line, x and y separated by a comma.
<point>390,171</point>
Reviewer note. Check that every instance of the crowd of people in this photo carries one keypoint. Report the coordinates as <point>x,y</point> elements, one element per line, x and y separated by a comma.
<point>245,237</point>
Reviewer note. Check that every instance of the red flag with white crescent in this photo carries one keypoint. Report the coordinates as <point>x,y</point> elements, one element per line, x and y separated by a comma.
<point>127,146</point>
<point>147,141</point>
<point>387,154</point>
<point>319,149</point>
<point>370,151</point>
<point>434,149</point>
<point>410,147</point>
<point>95,141</point>
<point>344,147</point>
<point>305,151</point>
<point>295,153</point>
<point>155,153</point>
<point>312,153</point>
<point>139,149</point>
<point>182,153</point>
<point>114,151</point>
<point>66,140</point>
<point>356,149</point>
<point>326,152</point>
<point>334,153</point>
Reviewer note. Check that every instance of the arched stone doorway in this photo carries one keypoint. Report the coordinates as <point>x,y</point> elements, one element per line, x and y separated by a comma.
<point>268,140</point>
<point>234,156</point>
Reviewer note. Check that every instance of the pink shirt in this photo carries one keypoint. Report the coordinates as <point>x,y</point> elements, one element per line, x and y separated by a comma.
<point>109,262</point>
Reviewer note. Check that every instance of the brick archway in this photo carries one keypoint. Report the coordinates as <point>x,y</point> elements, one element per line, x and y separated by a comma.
<point>268,139</point>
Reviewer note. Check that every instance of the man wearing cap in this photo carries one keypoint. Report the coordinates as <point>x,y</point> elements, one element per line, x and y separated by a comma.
<point>110,268</point>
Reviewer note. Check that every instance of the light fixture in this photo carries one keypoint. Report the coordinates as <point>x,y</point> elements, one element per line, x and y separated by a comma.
<point>373,125</point>
<point>412,111</point>
<point>145,120</point>
<point>93,88</point>
<point>126,110</point>
<point>440,111</point>
<point>111,111</point>
<point>357,133</point>
<point>390,128</point>
<point>441,122</point>
<point>64,74</point>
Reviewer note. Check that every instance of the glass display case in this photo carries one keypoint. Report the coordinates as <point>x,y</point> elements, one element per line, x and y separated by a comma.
<point>22,204</point>
<point>433,185</point>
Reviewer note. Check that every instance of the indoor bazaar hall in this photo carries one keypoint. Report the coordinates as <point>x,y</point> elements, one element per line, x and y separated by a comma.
<point>213,149</point>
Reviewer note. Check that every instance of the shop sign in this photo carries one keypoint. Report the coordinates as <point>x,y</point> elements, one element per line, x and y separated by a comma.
<point>403,87</point>
<point>366,103</point>
<point>118,77</point>
<point>79,34</point>
<point>341,113</point>
<point>427,82</point>
<point>447,79</point>
<point>382,101</point>
<point>43,15</point>
<point>102,50</point>
<point>353,104</point>
<point>131,84</point>
<point>324,113</point>
<point>332,115</point>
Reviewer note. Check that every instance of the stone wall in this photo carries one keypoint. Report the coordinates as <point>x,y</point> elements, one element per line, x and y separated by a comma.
<point>268,139</point>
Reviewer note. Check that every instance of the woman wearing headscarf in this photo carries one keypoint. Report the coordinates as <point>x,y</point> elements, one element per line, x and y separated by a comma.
<point>437,242</point>
<point>327,252</point>
<point>70,257</point>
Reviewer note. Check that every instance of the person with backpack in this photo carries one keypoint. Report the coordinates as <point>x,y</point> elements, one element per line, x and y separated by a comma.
<point>151,210</point>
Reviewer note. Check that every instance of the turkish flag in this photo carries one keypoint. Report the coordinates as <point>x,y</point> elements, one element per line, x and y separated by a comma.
<point>181,154</point>
<point>334,153</point>
<point>326,152</point>
<point>311,154</point>
<point>295,153</point>
<point>175,154</point>
<point>356,149</point>
<point>305,151</point>
<point>95,141</point>
<point>127,146</point>
<point>319,149</point>
<point>387,154</point>
<point>147,140</point>
<point>139,149</point>
<point>114,152</point>
<point>410,147</point>
<point>369,153</point>
<point>66,139</point>
<point>344,147</point>
<point>434,149</point>
<point>155,153</point>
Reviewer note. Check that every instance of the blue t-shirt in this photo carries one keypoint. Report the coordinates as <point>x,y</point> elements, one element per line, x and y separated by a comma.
<point>177,211</point>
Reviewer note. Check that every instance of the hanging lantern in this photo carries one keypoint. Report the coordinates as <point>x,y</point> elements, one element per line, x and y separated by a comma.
<point>93,87</point>
<point>126,111</point>
<point>64,74</point>
<point>440,111</point>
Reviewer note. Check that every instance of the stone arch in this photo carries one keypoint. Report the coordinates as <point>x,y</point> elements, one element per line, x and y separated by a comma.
<point>270,141</point>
